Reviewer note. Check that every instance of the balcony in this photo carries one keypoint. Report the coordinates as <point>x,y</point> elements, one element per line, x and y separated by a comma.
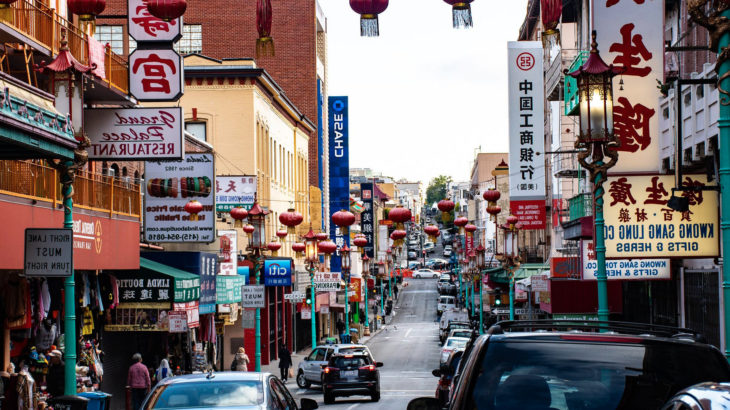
<point>580,205</point>
<point>570,96</point>
<point>39,182</point>
<point>554,73</point>
<point>40,27</point>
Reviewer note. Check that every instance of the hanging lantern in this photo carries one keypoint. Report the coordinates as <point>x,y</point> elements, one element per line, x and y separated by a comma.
<point>445,206</point>
<point>470,229</point>
<point>491,196</point>
<point>238,214</point>
<point>435,238</point>
<point>397,236</point>
<point>298,248</point>
<point>343,219</point>
<point>265,43</point>
<point>461,223</point>
<point>273,247</point>
<point>167,10</point>
<point>360,241</point>
<point>193,208</point>
<point>327,248</point>
<point>281,234</point>
<point>291,219</point>
<point>400,216</point>
<point>551,11</point>
<point>321,236</point>
<point>87,10</point>
<point>432,231</point>
<point>461,13</point>
<point>494,211</point>
<point>368,11</point>
<point>248,228</point>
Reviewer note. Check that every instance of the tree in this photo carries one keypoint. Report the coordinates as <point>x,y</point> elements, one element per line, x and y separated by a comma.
<point>437,189</point>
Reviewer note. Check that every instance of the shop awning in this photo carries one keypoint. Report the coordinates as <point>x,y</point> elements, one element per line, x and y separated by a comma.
<point>185,286</point>
<point>499,275</point>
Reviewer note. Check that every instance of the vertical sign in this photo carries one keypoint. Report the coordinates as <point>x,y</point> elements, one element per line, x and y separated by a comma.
<point>526,131</point>
<point>367,217</point>
<point>208,272</point>
<point>170,186</point>
<point>630,34</point>
<point>339,170</point>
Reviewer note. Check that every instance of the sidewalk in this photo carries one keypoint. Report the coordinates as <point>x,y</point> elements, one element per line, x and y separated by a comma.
<point>296,357</point>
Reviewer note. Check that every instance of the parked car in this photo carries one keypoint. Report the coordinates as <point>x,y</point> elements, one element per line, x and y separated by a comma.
<point>544,364</point>
<point>413,265</point>
<point>310,369</point>
<point>445,285</point>
<point>349,375</point>
<point>445,302</point>
<point>447,253</point>
<point>451,344</point>
<point>250,390</point>
<point>453,325</point>
<point>412,255</point>
<point>457,331</point>
<point>425,273</point>
<point>703,396</point>
<point>429,247</point>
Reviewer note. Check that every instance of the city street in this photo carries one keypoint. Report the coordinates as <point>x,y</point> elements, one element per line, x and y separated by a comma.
<point>408,347</point>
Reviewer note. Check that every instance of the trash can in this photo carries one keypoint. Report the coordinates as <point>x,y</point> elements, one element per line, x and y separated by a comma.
<point>69,403</point>
<point>97,400</point>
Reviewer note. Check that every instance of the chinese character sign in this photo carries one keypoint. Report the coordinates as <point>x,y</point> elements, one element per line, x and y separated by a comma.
<point>639,224</point>
<point>367,218</point>
<point>630,35</point>
<point>234,191</point>
<point>155,75</point>
<point>339,170</point>
<point>526,120</point>
<point>145,27</point>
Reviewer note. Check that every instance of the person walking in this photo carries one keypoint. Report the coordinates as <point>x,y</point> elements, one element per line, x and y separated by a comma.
<point>138,379</point>
<point>163,371</point>
<point>241,360</point>
<point>395,291</point>
<point>340,329</point>
<point>284,362</point>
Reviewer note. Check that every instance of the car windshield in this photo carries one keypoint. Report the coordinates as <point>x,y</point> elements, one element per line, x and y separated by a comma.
<point>207,394</point>
<point>456,343</point>
<point>447,300</point>
<point>357,361</point>
<point>520,375</point>
<point>462,333</point>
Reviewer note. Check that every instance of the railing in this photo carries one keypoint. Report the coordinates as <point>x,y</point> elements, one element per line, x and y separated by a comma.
<point>580,205</point>
<point>571,85</point>
<point>44,25</point>
<point>33,180</point>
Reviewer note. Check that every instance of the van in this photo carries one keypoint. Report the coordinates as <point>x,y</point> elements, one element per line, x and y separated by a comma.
<point>445,302</point>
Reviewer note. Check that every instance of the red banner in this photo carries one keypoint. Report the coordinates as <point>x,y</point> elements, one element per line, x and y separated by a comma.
<point>530,213</point>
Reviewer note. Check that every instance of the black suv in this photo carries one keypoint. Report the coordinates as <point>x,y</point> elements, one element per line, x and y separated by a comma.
<point>351,374</point>
<point>552,364</point>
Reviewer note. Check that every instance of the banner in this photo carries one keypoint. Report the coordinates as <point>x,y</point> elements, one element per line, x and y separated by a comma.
<point>639,224</point>
<point>532,214</point>
<point>339,171</point>
<point>277,272</point>
<point>526,120</point>
<point>134,133</point>
<point>630,35</point>
<point>367,218</point>
<point>170,185</point>
<point>234,191</point>
<point>637,269</point>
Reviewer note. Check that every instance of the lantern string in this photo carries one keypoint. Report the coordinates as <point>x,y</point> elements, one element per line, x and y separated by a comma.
<point>462,16</point>
<point>369,26</point>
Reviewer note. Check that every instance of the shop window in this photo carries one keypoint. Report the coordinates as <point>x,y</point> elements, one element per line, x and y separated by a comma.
<point>112,35</point>
<point>198,129</point>
<point>191,41</point>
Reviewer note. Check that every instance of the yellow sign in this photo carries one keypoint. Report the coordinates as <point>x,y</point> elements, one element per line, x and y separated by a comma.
<point>639,224</point>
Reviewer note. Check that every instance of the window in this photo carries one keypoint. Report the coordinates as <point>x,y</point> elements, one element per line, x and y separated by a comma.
<point>700,91</point>
<point>112,35</point>
<point>197,129</point>
<point>191,41</point>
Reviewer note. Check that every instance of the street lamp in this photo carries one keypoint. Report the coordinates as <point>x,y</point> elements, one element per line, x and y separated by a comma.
<point>511,257</point>
<point>480,262</point>
<point>382,268</point>
<point>597,144</point>
<point>311,257</point>
<point>345,260</point>
<point>256,229</point>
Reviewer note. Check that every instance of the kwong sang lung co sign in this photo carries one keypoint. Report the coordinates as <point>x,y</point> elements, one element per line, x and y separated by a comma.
<point>135,133</point>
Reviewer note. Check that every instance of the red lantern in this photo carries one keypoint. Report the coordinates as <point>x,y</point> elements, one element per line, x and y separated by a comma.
<point>299,248</point>
<point>445,206</point>
<point>85,9</point>
<point>321,236</point>
<point>265,43</point>
<point>327,247</point>
<point>238,214</point>
<point>399,215</point>
<point>193,208</point>
<point>491,195</point>
<point>281,234</point>
<point>461,13</point>
<point>343,219</point>
<point>397,237</point>
<point>167,10</point>
<point>360,241</point>
<point>291,218</point>
<point>274,247</point>
<point>461,223</point>
<point>494,211</point>
<point>470,229</point>
<point>432,231</point>
<point>248,228</point>
<point>551,11</point>
<point>368,11</point>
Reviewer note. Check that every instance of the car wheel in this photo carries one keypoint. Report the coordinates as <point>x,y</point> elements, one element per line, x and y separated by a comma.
<point>436,276</point>
<point>302,381</point>
<point>329,398</point>
<point>375,396</point>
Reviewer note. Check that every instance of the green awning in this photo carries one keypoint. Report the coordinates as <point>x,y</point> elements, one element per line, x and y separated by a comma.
<point>525,270</point>
<point>187,285</point>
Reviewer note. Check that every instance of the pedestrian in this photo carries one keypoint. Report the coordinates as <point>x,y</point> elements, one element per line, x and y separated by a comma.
<point>163,371</point>
<point>340,329</point>
<point>284,362</point>
<point>395,291</point>
<point>241,360</point>
<point>138,379</point>
<point>55,379</point>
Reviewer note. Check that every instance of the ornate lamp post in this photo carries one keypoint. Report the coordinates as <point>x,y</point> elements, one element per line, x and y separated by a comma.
<point>311,258</point>
<point>511,258</point>
<point>597,144</point>
<point>345,261</point>
<point>382,268</point>
<point>480,262</point>
<point>366,277</point>
<point>256,246</point>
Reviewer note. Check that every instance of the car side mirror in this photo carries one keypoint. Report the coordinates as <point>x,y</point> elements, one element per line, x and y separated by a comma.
<point>424,403</point>
<point>436,373</point>
<point>308,404</point>
<point>378,364</point>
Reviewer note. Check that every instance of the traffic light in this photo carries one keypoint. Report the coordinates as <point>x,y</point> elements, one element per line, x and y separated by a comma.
<point>498,299</point>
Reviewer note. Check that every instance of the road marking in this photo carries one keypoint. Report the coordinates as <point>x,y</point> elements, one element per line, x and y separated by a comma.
<point>353,406</point>
<point>407,333</point>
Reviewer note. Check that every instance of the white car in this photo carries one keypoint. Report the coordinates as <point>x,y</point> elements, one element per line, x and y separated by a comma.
<point>451,344</point>
<point>310,369</point>
<point>445,302</point>
<point>425,273</point>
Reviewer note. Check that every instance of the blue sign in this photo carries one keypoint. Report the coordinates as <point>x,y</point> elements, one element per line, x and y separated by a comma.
<point>277,272</point>
<point>339,167</point>
<point>245,272</point>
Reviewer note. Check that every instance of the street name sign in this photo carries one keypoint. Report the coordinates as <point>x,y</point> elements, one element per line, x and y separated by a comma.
<point>295,296</point>
<point>327,281</point>
<point>48,252</point>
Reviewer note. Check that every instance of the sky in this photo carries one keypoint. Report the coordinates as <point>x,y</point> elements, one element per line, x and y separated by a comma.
<point>423,97</point>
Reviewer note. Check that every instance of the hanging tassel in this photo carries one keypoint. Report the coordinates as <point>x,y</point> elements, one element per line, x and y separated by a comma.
<point>265,47</point>
<point>462,15</point>
<point>369,25</point>
<point>265,43</point>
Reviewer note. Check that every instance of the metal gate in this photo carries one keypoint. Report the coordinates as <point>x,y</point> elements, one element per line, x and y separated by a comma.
<point>702,304</point>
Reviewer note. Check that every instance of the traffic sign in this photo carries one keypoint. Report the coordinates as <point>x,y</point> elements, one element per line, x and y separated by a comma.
<point>295,296</point>
<point>48,252</point>
<point>252,296</point>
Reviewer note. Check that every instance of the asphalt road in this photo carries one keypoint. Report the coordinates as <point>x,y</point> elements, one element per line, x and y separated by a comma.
<point>408,348</point>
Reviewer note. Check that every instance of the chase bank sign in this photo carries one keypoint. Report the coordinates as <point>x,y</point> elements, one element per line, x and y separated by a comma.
<point>277,272</point>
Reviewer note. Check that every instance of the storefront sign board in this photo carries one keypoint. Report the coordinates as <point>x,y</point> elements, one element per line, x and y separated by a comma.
<point>233,191</point>
<point>625,269</point>
<point>277,272</point>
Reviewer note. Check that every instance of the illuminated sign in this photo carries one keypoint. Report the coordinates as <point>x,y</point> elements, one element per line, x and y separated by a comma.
<point>277,272</point>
